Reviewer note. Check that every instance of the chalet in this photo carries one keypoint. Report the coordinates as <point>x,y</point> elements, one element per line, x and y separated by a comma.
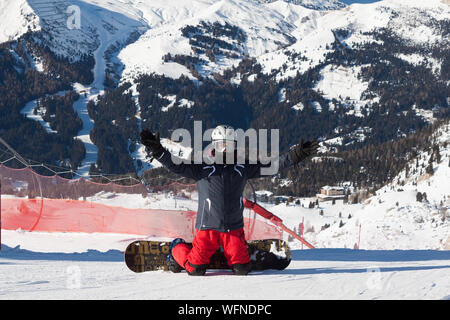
<point>328,193</point>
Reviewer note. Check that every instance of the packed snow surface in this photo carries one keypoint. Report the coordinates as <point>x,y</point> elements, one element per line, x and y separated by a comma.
<point>60,266</point>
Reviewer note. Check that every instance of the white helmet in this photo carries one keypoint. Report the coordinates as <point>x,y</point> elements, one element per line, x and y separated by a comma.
<point>223,132</point>
<point>224,136</point>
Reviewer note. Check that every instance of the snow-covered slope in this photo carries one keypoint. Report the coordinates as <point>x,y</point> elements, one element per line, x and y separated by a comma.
<point>20,15</point>
<point>412,20</point>
<point>391,219</point>
<point>270,29</point>
<point>320,35</point>
<point>342,83</point>
<point>265,30</point>
<point>16,17</point>
<point>70,28</point>
<point>312,4</point>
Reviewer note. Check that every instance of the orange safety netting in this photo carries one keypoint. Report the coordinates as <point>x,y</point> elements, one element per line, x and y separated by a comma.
<point>33,202</point>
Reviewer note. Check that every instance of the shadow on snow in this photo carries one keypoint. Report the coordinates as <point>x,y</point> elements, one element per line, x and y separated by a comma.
<point>310,271</point>
<point>18,253</point>
<point>369,255</point>
<point>91,255</point>
<point>348,255</point>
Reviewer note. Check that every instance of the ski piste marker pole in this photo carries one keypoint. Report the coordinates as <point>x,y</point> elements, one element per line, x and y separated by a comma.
<point>275,220</point>
<point>303,228</point>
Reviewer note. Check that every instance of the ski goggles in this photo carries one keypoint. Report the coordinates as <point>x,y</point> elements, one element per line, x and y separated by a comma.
<point>224,145</point>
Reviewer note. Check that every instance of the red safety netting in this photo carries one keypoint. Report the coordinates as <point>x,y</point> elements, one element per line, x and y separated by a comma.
<point>33,202</point>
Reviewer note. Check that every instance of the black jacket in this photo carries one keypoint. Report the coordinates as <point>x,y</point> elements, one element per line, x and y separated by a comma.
<point>220,188</point>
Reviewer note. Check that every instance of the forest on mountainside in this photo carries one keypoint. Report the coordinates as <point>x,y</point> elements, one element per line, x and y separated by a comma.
<point>242,96</point>
<point>21,83</point>
<point>367,168</point>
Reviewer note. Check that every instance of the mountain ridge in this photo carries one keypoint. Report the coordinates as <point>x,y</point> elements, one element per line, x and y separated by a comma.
<point>366,73</point>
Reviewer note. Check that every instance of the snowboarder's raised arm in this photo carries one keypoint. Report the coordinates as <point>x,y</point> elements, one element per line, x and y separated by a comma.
<point>296,154</point>
<point>156,151</point>
<point>303,150</point>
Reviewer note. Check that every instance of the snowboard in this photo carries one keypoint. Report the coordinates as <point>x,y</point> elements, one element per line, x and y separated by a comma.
<point>141,256</point>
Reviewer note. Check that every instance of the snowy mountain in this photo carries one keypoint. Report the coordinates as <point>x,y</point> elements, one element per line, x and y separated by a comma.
<point>53,16</point>
<point>238,28</point>
<point>416,22</point>
<point>313,4</point>
<point>267,27</point>
<point>349,66</point>
<point>17,18</point>
<point>48,19</point>
<point>288,28</point>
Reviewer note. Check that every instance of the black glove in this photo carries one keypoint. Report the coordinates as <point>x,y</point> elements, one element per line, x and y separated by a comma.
<point>152,144</point>
<point>303,150</point>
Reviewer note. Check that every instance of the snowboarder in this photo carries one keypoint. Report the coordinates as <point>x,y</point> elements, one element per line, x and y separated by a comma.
<point>220,186</point>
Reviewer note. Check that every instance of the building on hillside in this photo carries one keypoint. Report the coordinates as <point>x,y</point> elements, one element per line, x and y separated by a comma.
<point>328,193</point>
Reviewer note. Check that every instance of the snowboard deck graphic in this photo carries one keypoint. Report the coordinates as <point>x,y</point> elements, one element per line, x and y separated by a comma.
<point>141,256</point>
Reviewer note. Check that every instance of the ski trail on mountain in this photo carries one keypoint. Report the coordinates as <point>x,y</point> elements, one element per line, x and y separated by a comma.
<point>28,111</point>
<point>96,89</point>
<point>88,93</point>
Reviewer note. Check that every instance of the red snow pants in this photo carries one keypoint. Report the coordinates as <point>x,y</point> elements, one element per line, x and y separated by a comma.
<point>206,242</point>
